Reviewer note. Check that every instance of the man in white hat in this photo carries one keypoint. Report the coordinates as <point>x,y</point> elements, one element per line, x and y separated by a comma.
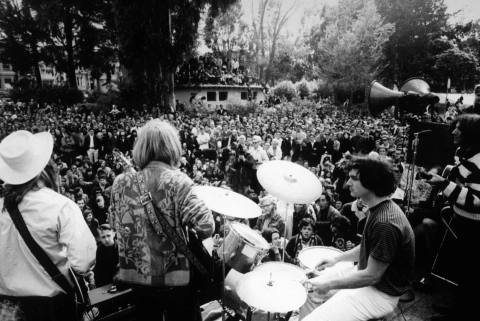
<point>54,221</point>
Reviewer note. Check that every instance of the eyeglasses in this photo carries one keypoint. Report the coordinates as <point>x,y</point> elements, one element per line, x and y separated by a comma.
<point>98,201</point>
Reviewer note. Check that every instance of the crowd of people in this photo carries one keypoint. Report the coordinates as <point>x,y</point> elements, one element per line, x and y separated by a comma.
<point>213,70</point>
<point>218,150</point>
<point>223,150</point>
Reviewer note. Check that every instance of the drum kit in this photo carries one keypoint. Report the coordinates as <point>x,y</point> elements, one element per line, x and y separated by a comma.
<point>273,287</point>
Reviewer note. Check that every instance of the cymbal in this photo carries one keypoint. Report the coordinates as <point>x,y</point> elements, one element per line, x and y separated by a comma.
<point>289,182</point>
<point>227,202</point>
<point>269,292</point>
<point>285,271</point>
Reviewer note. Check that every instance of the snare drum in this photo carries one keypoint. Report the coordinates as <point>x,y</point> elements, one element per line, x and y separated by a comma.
<point>243,248</point>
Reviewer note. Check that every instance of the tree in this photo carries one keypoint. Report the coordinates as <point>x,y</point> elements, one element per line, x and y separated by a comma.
<point>462,68</point>
<point>73,28</point>
<point>259,35</point>
<point>22,35</point>
<point>279,17</point>
<point>153,37</point>
<point>417,24</point>
<point>351,48</point>
<point>221,31</point>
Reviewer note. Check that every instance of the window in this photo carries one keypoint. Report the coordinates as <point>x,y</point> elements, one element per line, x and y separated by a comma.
<point>223,95</point>
<point>243,95</point>
<point>7,67</point>
<point>211,96</point>
<point>8,80</point>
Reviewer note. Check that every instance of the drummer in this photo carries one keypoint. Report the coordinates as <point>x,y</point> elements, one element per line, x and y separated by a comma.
<point>270,217</point>
<point>385,255</point>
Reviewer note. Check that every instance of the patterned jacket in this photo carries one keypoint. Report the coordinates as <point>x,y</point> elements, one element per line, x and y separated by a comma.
<point>145,257</point>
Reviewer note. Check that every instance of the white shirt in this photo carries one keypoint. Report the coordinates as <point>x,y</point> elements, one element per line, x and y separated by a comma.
<point>194,131</point>
<point>277,154</point>
<point>202,140</point>
<point>260,156</point>
<point>92,145</point>
<point>58,226</point>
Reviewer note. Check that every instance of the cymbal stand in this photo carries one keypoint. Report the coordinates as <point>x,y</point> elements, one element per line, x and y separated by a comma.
<point>223,265</point>
<point>412,172</point>
<point>284,240</point>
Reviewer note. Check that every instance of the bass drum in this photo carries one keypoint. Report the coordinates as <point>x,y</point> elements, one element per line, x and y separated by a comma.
<point>243,248</point>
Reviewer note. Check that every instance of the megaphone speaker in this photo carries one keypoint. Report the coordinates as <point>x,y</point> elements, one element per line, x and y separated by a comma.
<point>378,98</point>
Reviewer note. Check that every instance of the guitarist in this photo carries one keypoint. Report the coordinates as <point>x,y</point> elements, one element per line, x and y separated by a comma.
<point>150,261</point>
<point>54,222</point>
<point>462,189</point>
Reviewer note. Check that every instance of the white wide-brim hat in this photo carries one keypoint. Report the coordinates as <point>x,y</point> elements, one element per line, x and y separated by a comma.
<point>24,155</point>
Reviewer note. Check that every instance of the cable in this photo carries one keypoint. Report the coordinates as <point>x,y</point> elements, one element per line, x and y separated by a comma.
<point>401,311</point>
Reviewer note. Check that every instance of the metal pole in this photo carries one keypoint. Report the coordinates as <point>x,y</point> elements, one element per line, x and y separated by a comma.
<point>415,148</point>
<point>223,267</point>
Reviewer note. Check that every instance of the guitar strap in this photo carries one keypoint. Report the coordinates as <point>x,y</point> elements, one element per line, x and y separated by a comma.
<point>159,222</point>
<point>36,250</point>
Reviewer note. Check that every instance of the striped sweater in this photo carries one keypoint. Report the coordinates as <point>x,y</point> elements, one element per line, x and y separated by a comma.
<point>462,188</point>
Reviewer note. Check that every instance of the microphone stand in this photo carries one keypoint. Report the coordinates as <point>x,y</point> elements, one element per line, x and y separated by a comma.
<point>412,173</point>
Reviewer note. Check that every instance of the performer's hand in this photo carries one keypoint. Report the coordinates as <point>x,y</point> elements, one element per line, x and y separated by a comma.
<point>325,262</point>
<point>319,285</point>
<point>436,179</point>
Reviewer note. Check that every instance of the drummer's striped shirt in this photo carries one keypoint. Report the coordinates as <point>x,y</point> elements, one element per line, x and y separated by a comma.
<point>388,237</point>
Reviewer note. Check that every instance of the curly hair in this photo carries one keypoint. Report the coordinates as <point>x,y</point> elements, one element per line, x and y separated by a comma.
<point>375,173</point>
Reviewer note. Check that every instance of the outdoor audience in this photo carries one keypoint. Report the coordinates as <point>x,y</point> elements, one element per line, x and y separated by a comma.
<point>210,69</point>
<point>224,150</point>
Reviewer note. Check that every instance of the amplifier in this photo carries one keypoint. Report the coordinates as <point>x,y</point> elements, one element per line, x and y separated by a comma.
<point>116,306</point>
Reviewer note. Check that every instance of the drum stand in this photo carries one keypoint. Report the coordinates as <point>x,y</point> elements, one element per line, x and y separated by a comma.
<point>223,267</point>
<point>449,230</point>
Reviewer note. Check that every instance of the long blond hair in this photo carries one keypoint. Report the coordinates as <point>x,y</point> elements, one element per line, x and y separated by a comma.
<point>157,141</point>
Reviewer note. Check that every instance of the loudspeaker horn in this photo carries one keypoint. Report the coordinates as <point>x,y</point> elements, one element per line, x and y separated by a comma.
<point>378,98</point>
<point>419,86</point>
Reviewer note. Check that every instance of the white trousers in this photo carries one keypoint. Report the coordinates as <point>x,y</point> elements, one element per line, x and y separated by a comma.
<point>351,305</point>
<point>92,155</point>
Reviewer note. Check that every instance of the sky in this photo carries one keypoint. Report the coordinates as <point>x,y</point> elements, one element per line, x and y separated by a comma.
<point>470,10</point>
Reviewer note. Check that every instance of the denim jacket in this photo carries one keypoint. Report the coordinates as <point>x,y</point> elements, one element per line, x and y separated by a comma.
<point>146,257</point>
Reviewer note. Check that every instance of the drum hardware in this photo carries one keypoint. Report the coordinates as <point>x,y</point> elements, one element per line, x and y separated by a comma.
<point>267,291</point>
<point>228,203</point>
<point>289,182</point>
<point>442,244</point>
